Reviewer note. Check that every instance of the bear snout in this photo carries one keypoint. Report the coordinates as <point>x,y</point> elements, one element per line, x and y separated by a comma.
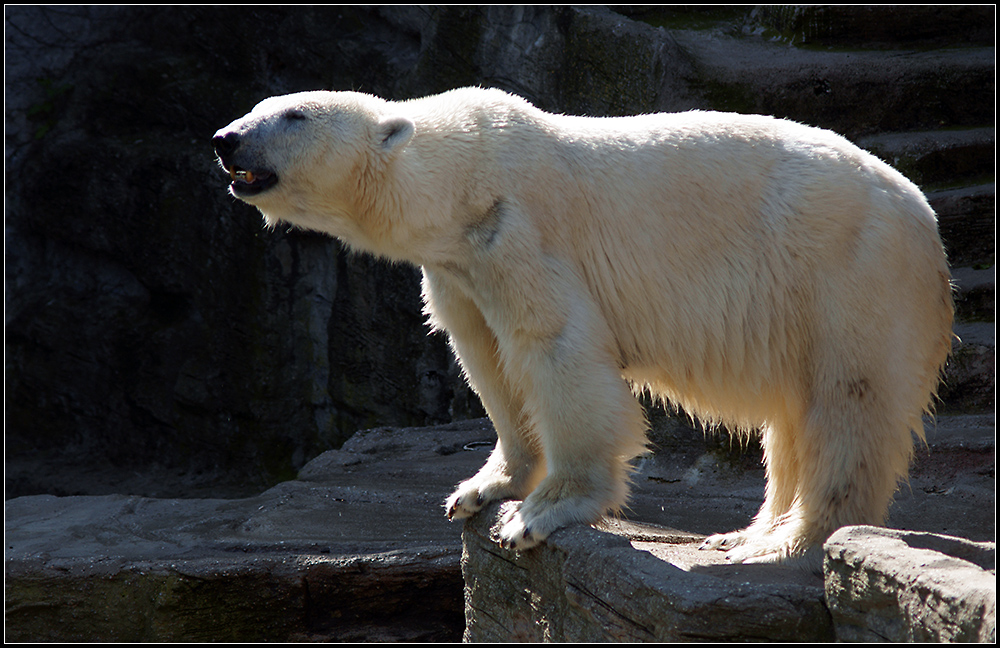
<point>247,178</point>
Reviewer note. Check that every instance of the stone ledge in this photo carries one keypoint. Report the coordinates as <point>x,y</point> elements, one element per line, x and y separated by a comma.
<point>636,582</point>
<point>269,596</point>
<point>588,585</point>
<point>357,549</point>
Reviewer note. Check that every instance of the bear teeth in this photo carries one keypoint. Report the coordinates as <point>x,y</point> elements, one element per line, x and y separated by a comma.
<point>240,174</point>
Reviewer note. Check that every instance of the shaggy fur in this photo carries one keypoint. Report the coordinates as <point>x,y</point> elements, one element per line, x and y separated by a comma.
<point>759,273</point>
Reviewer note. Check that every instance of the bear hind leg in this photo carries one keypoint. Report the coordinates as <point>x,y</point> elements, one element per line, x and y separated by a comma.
<point>778,439</point>
<point>852,450</point>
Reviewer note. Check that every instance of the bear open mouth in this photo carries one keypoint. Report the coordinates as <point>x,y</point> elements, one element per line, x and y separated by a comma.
<point>250,182</point>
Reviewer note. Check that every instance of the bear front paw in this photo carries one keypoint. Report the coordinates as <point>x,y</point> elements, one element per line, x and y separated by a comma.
<point>516,534</point>
<point>475,493</point>
<point>463,504</point>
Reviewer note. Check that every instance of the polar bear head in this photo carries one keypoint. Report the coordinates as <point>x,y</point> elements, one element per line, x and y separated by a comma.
<point>303,158</point>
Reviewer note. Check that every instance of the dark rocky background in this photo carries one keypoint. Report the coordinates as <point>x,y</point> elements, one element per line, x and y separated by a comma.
<point>160,341</point>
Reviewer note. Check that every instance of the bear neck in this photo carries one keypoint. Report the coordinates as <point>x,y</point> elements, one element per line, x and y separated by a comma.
<point>408,207</point>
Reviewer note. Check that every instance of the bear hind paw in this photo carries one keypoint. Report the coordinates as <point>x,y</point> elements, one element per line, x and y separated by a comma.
<point>776,545</point>
<point>724,541</point>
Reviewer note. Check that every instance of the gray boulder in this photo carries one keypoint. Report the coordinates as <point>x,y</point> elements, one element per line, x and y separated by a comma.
<point>904,586</point>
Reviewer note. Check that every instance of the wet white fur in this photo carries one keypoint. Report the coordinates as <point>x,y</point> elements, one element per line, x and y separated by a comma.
<point>757,272</point>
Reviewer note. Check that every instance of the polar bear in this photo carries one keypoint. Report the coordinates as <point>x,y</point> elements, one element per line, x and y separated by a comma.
<point>758,273</point>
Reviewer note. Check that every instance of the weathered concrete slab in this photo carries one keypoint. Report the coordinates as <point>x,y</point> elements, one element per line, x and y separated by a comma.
<point>890,585</point>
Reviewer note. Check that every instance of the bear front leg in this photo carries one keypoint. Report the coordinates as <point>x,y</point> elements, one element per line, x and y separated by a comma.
<point>590,426</point>
<point>515,465</point>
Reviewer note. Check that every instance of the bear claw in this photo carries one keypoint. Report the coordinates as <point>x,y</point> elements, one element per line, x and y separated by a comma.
<point>512,544</point>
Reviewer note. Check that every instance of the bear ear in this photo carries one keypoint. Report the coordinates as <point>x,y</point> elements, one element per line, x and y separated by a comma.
<point>394,132</point>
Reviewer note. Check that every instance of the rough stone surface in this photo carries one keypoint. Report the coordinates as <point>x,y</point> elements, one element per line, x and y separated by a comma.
<point>358,548</point>
<point>585,585</point>
<point>890,585</point>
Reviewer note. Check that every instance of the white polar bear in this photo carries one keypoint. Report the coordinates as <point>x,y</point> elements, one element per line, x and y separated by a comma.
<point>757,272</point>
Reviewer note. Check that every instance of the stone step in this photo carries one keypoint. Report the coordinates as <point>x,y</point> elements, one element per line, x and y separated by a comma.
<point>874,26</point>
<point>939,157</point>
<point>969,383</point>
<point>975,293</point>
<point>911,90</point>
<point>835,26</point>
<point>967,221</point>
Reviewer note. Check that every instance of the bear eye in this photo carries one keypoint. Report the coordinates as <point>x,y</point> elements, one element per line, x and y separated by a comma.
<point>294,115</point>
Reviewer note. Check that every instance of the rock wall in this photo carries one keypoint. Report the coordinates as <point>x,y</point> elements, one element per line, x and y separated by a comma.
<point>153,326</point>
<point>151,320</point>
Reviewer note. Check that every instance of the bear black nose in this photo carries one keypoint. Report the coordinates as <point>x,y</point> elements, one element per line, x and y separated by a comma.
<point>226,145</point>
